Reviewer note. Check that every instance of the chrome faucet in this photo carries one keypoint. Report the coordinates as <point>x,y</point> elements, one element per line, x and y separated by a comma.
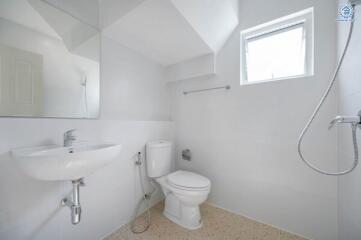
<point>68,138</point>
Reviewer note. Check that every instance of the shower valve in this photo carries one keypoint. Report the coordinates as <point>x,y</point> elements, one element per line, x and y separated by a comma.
<point>355,120</point>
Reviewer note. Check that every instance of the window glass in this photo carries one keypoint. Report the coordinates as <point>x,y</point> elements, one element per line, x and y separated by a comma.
<point>276,55</point>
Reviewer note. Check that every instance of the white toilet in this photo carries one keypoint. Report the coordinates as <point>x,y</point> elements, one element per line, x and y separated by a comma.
<point>184,191</point>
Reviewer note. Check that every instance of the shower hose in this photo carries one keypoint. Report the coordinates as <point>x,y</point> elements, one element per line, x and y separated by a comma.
<point>325,95</point>
<point>145,199</point>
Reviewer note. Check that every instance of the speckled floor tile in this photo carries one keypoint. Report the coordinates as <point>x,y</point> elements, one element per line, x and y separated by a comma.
<point>289,236</point>
<point>218,224</point>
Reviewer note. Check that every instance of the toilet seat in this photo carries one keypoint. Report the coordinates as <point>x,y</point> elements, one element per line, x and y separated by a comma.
<point>188,181</point>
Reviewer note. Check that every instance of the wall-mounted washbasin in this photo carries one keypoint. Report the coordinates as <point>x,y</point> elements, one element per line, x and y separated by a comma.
<point>65,163</point>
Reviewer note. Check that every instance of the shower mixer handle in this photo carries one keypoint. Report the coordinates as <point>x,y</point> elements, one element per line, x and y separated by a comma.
<point>345,119</point>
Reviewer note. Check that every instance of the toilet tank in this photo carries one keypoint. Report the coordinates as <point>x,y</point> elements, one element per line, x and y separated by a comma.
<point>158,158</point>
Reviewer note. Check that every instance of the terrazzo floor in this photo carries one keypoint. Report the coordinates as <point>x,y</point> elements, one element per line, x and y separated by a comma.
<point>218,224</point>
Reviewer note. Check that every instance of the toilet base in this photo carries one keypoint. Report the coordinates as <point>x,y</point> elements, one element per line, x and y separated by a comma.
<point>188,217</point>
<point>176,221</point>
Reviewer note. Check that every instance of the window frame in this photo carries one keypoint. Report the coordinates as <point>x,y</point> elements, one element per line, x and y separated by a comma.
<point>305,17</point>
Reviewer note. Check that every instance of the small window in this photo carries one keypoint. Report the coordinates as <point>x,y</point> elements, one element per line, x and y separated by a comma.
<point>277,50</point>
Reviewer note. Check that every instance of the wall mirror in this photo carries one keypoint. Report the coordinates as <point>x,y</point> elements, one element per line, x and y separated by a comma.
<point>49,61</point>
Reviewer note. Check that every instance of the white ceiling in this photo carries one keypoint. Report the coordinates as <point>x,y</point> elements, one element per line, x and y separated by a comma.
<point>113,10</point>
<point>166,31</point>
<point>78,36</point>
<point>156,29</point>
<point>21,12</point>
<point>86,11</point>
<point>73,31</point>
<point>214,20</point>
<point>173,31</point>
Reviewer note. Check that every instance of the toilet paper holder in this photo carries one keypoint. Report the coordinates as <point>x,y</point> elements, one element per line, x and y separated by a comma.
<point>187,155</point>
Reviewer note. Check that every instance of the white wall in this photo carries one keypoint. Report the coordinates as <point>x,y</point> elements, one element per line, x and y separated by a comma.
<point>30,209</point>
<point>245,139</point>
<point>350,104</point>
<point>135,86</point>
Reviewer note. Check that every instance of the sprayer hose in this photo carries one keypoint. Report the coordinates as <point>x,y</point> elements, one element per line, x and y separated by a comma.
<point>325,95</point>
<point>146,198</point>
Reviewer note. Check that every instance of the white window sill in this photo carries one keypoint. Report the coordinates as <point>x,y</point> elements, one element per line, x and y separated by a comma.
<point>245,83</point>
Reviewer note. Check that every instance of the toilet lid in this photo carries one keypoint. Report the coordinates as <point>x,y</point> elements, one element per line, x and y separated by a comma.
<point>188,180</point>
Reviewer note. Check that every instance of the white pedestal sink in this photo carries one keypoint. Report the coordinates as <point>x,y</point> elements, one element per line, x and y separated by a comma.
<point>65,163</point>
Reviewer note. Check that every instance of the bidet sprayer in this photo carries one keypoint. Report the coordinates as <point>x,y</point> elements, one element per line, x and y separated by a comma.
<point>139,159</point>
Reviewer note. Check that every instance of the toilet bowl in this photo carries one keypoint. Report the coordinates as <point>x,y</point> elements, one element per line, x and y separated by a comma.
<point>184,190</point>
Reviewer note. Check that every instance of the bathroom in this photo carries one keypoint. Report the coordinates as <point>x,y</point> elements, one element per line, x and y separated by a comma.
<point>148,82</point>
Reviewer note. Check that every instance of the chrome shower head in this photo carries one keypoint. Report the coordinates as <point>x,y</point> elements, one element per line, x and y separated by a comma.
<point>355,2</point>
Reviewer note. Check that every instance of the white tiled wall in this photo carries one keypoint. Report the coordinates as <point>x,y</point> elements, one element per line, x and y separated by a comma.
<point>134,111</point>
<point>350,104</point>
<point>245,139</point>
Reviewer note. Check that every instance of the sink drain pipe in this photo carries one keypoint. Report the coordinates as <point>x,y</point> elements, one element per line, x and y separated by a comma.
<point>74,203</point>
